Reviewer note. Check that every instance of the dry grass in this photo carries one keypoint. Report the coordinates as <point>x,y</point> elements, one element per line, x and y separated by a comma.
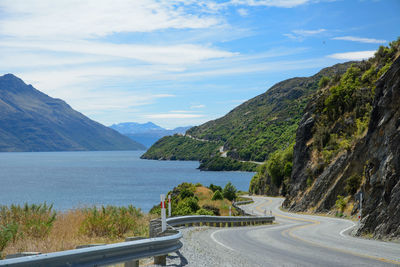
<point>66,234</point>
<point>204,194</point>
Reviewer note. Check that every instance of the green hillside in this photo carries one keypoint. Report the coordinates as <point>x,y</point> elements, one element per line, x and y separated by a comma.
<point>251,131</point>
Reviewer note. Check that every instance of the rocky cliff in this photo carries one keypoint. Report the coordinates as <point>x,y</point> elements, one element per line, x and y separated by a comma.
<point>335,158</point>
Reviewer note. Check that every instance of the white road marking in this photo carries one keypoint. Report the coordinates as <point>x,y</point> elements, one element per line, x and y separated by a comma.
<point>219,243</point>
<point>344,230</point>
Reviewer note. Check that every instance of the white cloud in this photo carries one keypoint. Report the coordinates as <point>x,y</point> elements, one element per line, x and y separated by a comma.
<point>357,55</point>
<point>359,39</point>
<point>243,12</point>
<point>272,3</point>
<point>174,54</point>
<point>302,34</point>
<point>197,106</point>
<point>94,18</point>
<point>173,116</point>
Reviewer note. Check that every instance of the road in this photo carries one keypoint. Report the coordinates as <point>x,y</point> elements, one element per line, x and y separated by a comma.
<point>294,240</point>
<point>304,240</point>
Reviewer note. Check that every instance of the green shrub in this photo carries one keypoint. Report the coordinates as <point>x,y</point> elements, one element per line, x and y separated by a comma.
<point>214,188</point>
<point>229,191</point>
<point>323,82</point>
<point>7,233</point>
<point>340,203</point>
<point>186,206</point>
<point>110,221</point>
<point>217,196</point>
<point>204,212</point>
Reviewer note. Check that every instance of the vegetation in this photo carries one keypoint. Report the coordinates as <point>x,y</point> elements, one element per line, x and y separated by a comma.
<point>39,228</point>
<point>250,132</point>
<point>340,204</point>
<point>187,199</point>
<point>229,191</point>
<point>277,169</point>
<point>226,164</point>
<point>178,147</point>
<point>111,221</point>
<point>343,110</point>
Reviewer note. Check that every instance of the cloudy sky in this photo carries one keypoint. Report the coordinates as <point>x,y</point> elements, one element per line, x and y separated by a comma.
<point>181,62</point>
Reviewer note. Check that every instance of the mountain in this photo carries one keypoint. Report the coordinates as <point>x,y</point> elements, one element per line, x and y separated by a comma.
<point>146,133</point>
<point>348,143</point>
<point>32,121</point>
<point>251,131</point>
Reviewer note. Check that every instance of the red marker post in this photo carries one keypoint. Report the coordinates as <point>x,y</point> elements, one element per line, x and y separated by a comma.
<point>163,214</point>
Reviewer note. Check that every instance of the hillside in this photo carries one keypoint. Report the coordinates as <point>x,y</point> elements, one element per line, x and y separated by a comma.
<point>33,121</point>
<point>251,131</point>
<point>348,142</point>
<point>146,133</point>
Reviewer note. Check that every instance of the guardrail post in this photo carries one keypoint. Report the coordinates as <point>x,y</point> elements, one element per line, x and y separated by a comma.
<point>163,214</point>
<point>160,260</point>
<point>169,205</point>
<point>134,263</point>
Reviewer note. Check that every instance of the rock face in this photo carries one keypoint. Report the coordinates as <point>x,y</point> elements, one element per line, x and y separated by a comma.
<point>375,157</point>
<point>33,121</point>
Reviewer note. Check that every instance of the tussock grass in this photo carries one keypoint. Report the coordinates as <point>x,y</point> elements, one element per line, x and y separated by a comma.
<point>43,230</point>
<point>205,199</point>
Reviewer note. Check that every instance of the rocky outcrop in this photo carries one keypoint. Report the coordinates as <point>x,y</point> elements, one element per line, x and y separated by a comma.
<point>381,213</point>
<point>375,158</point>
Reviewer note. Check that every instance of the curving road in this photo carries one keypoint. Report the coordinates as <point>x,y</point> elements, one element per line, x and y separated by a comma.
<point>294,240</point>
<point>303,240</point>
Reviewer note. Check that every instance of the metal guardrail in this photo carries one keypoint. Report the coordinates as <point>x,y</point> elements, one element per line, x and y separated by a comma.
<point>102,255</point>
<point>133,250</point>
<point>235,220</point>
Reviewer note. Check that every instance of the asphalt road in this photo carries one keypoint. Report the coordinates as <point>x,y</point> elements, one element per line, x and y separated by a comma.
<point>302,240</point>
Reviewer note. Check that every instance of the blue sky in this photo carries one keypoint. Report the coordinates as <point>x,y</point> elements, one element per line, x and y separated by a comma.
<point>178,62</point>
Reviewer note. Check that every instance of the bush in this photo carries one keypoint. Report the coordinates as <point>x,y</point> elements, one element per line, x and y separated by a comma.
<point>217,196</point>
<point>323,82</point>
<point>213,209</point>
<point>340,203</point>
<point>229,191</point>
<point>204,212</point>
<point>214,188</point>
<point>7,233</point>
<point>187,206</point>
<point>110,221</point>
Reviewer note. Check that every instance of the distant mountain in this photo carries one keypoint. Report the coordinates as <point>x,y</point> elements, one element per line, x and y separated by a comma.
<point>32,121</point>
<point>146,133</point>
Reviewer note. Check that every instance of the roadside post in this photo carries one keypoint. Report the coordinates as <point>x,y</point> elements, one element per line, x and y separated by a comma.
<point>163,214</point>
<point>169,205</point>
<point>361,198</point>
<point>230,210</point>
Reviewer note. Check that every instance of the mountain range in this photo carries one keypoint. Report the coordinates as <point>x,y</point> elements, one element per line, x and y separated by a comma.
<point>32,121</point>
<point>146,133</point>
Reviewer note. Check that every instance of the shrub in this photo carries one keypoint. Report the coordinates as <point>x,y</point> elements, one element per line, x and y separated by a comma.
<point>204,212</point>
<point>187,206</point>
<point>229,191</point>
<point>110,221</point>
<point>7,233</point>
<point>213,209</point>
<point>217,196</point>
<point>340,203</point>
<point>214,188</point>
<point>323,82</point>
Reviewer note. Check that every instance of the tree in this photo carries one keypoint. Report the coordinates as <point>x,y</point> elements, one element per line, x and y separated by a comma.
<point>229,191</point>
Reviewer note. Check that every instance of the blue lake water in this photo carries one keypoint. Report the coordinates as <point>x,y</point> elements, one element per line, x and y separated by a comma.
<point>77,179</point>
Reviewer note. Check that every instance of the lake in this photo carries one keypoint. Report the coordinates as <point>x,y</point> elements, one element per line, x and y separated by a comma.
<point>79,179</point>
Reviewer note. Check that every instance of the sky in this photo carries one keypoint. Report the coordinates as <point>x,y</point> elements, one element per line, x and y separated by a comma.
<point>179,63</point>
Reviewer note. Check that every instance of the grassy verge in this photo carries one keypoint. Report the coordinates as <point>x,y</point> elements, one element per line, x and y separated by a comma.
<point>39,228</point>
